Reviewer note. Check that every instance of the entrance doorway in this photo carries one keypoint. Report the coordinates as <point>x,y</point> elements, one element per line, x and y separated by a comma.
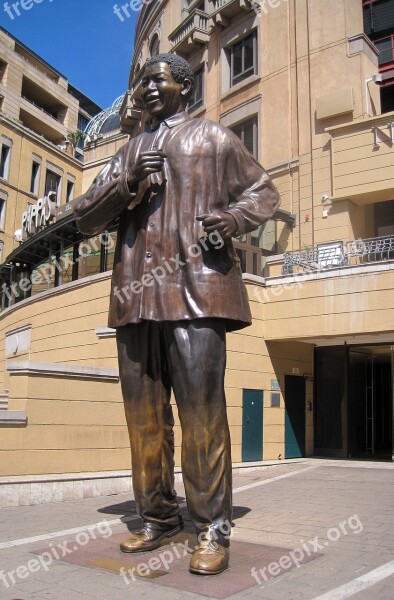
<point>370,402</point>
<point>354,399</point>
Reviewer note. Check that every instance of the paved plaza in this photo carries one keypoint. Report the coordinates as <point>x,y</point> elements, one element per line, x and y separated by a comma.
<point>307,529</point>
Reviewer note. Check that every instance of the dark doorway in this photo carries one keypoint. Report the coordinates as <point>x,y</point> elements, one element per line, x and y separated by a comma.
<point>294,416</point>
<point>370,402</point>
<point>252,425</point>
<point>354,399</point>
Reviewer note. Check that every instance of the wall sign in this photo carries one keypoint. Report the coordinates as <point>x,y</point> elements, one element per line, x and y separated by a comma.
<point>38,215</point>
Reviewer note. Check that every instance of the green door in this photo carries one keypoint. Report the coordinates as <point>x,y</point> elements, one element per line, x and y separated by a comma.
<point>294,416</point>
<point>252,425</point>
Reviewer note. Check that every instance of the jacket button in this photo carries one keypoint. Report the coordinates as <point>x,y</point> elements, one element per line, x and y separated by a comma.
<point>148,255</point>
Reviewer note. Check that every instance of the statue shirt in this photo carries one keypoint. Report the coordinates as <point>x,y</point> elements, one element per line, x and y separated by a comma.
<point>165,267</point>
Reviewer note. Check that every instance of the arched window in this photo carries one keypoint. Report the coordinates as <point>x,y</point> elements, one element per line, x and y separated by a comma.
<point>154,45</point>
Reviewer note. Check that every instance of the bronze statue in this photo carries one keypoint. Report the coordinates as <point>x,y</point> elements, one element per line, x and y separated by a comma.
<point>182,190</point>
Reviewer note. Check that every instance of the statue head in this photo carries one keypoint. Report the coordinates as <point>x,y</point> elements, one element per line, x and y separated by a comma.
<point>167,84</point>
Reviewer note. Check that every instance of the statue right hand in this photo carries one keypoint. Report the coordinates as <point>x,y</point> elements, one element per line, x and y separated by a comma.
<point>147,163</point>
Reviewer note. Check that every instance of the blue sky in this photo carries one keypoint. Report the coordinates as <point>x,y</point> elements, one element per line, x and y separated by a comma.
<point>83,39</point>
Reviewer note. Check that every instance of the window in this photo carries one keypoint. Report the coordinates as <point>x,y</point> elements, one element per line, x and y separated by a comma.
<point>35,178</point>
<point>154,45</point>
<point>82,124</point>
<point>70,191</point>
<point>197,97</point>
<point>3,68</point>
<point>52,184</point>
<point>3,206</point>
<point>384,218</point>
<point>243,59</point>
<point>252,248</point>
<point>378,18</point>
<point>5,157</point>
<point>247,133</point>
<point>387,98</point>
<point>386,49</point>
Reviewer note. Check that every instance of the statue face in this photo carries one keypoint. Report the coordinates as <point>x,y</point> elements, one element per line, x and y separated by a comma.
<point>161,94</point>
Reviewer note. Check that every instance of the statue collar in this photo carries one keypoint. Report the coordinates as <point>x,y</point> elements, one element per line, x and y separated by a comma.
<point>172,121</point>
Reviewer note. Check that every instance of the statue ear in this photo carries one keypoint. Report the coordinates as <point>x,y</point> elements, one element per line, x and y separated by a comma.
<point>186,87</point>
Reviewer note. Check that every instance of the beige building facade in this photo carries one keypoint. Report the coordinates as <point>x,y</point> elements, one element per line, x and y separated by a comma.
<point>300,81</point>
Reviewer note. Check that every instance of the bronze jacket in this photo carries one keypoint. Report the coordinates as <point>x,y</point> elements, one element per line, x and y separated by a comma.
<point>165,267</point>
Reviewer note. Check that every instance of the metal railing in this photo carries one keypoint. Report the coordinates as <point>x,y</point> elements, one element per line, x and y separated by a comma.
<point>336,255</point>
<point>53,116</point>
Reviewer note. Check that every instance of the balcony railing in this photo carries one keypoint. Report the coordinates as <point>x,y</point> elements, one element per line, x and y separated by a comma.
<point>337,255</point>
<point>220,4</point>
<point>194,29</point>
<point>222,11</point>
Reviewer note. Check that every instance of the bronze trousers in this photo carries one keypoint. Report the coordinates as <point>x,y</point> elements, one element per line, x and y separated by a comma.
<point>190,358</point>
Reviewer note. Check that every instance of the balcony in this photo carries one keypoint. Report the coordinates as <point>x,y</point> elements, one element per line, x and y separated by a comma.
<point>40,97</point>
<point>223,10</point>
<point>37,120</point>
<point>38,64</point>
<point>335,255</point>
<point>334,293</point>
<point>193,30</point>
<point>129,114</point>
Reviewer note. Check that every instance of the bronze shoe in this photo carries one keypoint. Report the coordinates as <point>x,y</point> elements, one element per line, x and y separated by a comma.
<point>210,558</point>
<point>149,537</point>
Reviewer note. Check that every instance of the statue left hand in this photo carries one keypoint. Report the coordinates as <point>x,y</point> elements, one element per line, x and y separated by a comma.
<point>224,223</point>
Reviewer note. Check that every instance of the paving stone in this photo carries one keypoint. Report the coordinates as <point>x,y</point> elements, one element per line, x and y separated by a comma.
<point>280,513</point>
